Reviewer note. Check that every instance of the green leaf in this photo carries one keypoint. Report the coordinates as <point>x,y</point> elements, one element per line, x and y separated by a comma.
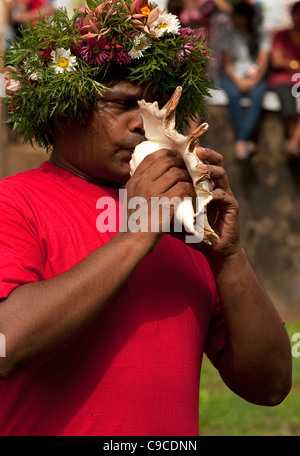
<point>92,4</point>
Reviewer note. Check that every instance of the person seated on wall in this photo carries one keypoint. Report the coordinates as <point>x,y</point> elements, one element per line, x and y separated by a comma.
<point>245,58</point>
<point>284,79</point>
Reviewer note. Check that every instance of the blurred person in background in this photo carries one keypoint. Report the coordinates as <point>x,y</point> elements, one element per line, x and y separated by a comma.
<point>213,17</point>
<point>220,22</point>
<point>285,60</point>
<point>195,13</point>
<point>246,58</point>
<point>275,14</point>
<point>24,11</point>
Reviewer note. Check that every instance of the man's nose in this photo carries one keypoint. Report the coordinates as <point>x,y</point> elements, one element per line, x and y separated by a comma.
<point>135,124</point>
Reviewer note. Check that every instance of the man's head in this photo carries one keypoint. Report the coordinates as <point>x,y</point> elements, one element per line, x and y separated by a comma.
<point>100,150</point>
<point>61,68</point>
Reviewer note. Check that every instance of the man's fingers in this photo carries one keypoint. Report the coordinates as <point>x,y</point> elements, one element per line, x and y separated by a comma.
<point>213,164</point>
<point>209,156</point>
<point>218,176</point>
<point>160,172</point>
<point>225,200</point>
<point>154,159</point>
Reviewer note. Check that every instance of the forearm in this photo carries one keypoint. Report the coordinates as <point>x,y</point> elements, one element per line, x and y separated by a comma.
<point>280,61</point>
<point>40,317</point>
<point>229,70</point>
<point>224,5</point>
<point>242,83</point>
<point>257,359</point>
<point>262,62</point>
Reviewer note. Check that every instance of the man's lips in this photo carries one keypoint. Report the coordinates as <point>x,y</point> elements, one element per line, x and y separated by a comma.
<point>125,154</point>
<point>132,143</point>
<point>128,149</point>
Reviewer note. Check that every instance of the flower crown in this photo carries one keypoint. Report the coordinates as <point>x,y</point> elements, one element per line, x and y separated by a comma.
<point>58,67</point>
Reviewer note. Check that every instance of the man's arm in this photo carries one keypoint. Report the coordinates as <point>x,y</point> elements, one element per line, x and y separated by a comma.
<point>256,360</point>
<point>39,318</point>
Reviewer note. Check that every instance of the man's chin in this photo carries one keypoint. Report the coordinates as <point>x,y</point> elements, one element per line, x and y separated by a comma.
<point>117,181</point>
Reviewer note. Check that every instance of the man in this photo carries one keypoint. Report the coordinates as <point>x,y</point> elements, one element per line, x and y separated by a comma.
<point>105,330</point>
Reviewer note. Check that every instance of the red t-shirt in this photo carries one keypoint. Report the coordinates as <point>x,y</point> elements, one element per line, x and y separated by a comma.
<point>34,4</point>
<point>135,370</point>
<point>283,40</point>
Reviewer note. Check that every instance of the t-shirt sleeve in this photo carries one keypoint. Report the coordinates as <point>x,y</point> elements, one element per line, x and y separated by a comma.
<point>21,259</point>
<point>215,340</point>
<point>279,41</point>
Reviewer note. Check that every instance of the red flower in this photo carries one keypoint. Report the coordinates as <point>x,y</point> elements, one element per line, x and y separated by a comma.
<point>94,51</point>
<point>46,55</point>
<point>121,56</point>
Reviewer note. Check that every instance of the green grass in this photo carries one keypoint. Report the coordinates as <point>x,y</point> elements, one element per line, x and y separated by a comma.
<point>222,413</point>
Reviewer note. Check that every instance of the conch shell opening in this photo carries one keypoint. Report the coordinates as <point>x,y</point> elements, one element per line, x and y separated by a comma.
<point>160,132</point>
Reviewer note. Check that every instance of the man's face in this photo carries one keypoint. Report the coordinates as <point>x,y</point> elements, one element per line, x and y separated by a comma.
<point>100,150</point>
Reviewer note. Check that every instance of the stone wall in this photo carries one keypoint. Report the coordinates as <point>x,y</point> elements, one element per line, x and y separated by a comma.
<point>268,190</point>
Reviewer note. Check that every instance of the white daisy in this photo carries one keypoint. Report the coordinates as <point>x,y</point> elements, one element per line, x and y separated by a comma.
<point>63,60</point>
<point>141,42</point>
<point>35,74</point>
<point>166,23</point>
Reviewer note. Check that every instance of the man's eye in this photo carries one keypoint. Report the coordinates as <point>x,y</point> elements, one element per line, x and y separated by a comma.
<point>124,103</point>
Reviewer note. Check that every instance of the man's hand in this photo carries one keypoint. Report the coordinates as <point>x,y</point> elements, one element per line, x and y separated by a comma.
<point>161,175</point>
<point>223,210</point>
<point>245,84</point>
<point>256,360</point>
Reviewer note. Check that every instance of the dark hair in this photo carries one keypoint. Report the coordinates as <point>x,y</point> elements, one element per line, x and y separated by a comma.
<point>294,7</point>
<point>251,14</point>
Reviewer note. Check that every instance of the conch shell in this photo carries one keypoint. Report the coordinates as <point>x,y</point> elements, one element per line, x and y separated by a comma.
<point>159,127</point>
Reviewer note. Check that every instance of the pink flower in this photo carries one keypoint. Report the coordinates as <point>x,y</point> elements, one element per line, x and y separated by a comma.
<point>185,54</point>
<point>80,26</point>
<point>46,55</point>
<point>185,31</point>
<point>12,84</point>
<point>121,56</point>
<point>94,51</point>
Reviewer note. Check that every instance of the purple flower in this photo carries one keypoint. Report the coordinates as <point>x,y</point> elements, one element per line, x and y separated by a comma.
<point>121,57</point>
<point>94,51</point>
<point>46,55</point>
<point>186,31</point>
